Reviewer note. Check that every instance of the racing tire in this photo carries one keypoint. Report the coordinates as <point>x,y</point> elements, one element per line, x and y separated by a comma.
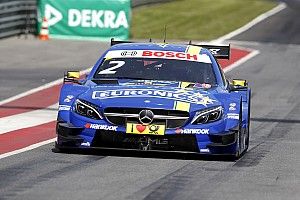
<point>239,140</point>
<point>247,140</point>
<point>59,149</point>
<point>56,149</point>
<point>238,152</point>
<point>248,124</point>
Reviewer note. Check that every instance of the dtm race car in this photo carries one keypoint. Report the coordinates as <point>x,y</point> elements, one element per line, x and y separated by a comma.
<point>156,97</point>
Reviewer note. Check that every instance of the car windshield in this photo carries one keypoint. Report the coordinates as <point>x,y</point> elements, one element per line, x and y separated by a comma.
<point>156,69</point>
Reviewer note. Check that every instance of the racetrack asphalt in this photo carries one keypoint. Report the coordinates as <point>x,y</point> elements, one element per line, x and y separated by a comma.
<point>27,64</point>
<point>283,28</point>
<point>270,169</point>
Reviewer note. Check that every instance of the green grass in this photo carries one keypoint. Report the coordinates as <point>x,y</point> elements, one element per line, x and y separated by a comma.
<point>195,19</point>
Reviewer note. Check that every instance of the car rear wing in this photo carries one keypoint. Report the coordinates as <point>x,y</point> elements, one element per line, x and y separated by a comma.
<point>219,51</point>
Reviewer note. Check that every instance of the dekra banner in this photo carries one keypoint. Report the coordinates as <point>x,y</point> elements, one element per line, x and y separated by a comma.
<point>87,19</point>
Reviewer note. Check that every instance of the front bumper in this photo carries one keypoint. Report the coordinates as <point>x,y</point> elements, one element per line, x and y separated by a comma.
<point>69,136</point>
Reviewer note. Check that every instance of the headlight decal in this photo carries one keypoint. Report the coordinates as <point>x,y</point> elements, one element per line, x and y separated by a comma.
<point>208,115</point>
<point>87,109</point>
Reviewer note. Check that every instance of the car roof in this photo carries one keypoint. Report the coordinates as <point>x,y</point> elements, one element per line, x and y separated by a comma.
<point>160,47</point>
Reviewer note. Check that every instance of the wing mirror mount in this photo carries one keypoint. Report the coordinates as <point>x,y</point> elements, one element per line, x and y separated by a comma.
<point>238,85</point>
<point>72,76</point>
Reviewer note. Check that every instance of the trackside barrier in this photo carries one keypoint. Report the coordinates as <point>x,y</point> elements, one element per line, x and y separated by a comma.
<point>86,19</point>
<point>20,16</point>
<point>17,17</point>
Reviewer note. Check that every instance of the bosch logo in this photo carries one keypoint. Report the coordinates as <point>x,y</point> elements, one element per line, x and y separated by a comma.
<point>146,117</point>
<point>128,53</point>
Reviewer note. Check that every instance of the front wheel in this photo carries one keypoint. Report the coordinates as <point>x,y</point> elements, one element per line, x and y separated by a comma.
<point>242,141</point>
<point>56,148</point>
<point>248,124</point>
<point>238,152</point>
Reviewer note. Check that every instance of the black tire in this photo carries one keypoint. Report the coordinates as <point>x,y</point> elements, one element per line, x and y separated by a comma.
<point>57,148</point>
<point>239,136</point>
<point>247,140</point>
<point>248,127</point>
<point>238,150</point>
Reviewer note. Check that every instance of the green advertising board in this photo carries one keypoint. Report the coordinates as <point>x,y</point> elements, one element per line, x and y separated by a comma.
<point>86,19</point>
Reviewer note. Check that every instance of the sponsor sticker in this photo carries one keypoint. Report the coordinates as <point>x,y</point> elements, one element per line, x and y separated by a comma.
<point>233,116</point>
<point>153,129</point>
<point>214,51</point>
<point>159,54</point>
<point>178,95</point>
<point>64,107</point>
<point>128,53</point>
<point>68,99</point>
<point>101,127</point>
<point>202,85</point>
<point>162,45</point>
<point>204,151</point>
<point>87,17</point>
<point>149,82</point>
<point>192,131</point>
<point>232,106</point>
<point>87,144</point>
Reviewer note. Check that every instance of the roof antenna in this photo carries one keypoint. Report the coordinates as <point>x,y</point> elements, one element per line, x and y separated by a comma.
<point>190,42</point>
<point>165,34</point>
<point>112,41</point>
<point>150,40</point>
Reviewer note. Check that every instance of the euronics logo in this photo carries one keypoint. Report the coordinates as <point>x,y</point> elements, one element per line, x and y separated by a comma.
<point>87,18</point>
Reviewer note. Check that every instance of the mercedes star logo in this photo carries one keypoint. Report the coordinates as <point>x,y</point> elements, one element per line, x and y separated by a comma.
<point>146,117</point>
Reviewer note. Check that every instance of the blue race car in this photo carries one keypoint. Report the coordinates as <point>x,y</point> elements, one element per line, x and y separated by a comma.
<point>156,97</point>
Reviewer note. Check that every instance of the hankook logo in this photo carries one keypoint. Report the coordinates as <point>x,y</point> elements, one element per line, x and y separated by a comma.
<point>146,117</point>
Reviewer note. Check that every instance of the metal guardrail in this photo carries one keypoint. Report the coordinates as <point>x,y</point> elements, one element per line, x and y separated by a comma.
<point>17,17</point>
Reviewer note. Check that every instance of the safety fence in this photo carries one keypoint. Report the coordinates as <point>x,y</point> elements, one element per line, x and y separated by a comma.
<point>17,17</point>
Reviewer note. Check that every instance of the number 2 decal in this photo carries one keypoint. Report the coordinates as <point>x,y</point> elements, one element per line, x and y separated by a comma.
<point>111,70</point>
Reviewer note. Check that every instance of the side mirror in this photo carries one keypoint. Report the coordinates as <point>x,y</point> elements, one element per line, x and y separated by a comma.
<point>238,85</point>
<point>72,76</point>
<point>239,82</point>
